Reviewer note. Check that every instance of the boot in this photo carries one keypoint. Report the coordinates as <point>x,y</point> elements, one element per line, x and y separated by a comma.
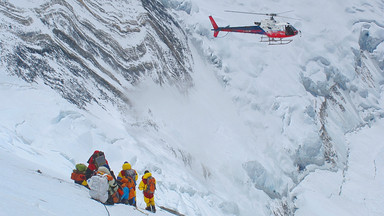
<point>153,208</point>
<point>148,208</point>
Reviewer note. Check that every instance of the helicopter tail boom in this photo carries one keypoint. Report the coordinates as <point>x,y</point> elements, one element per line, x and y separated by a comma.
<point>241,29</point>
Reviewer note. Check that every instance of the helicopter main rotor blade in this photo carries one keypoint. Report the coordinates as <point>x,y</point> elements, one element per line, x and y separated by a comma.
<point>285,12</point>
<point>246,12</point>
<point>264,14</point>
<point>278,15</point>
<point>288,17</point>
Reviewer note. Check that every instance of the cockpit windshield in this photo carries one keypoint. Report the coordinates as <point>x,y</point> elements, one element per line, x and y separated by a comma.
<point>290,30</point>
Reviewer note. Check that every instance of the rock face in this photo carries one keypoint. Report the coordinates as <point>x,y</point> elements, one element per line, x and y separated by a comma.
<point>82,47</point>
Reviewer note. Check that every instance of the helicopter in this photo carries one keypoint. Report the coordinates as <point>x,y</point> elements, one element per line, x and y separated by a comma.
<point>273,32</point>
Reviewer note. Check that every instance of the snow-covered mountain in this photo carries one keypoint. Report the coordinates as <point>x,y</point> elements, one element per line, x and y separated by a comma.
<point>228,125</point>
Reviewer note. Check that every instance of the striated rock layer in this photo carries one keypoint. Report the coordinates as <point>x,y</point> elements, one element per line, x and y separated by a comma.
<point>82,47</point>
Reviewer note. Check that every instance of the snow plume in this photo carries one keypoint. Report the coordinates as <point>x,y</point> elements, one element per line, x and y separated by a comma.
<point>227,126</point>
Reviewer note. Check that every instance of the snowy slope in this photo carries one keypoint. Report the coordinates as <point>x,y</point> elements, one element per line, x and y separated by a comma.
<point>359,187</point>
<point>255,129</point>
<point>34,191</point>
<point>39,153</point>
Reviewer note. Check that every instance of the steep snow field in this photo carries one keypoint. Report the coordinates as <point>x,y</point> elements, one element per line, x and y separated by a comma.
<point>264,130</point>
<point>355,191</point>
<point>42,136</point>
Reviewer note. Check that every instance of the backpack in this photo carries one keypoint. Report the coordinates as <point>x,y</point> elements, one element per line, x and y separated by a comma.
<point>151,185</point>
<point>76,176</point>
<point>100,160</point>
<point>99,187</point>
<point>131,175</point>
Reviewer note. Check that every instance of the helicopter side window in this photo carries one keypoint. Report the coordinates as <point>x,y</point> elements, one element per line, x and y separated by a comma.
<point>289,30</point>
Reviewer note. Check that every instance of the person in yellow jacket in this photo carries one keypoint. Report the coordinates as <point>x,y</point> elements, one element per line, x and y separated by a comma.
<point>127,178</point>
<point>148,186</point>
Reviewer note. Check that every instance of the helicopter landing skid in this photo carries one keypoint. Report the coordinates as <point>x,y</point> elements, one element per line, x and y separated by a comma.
<point>275,41</point>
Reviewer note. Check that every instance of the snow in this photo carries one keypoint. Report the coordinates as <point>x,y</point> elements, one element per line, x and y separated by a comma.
<point>39,151</point>
<point>358,190</point>
<point>244,140</point>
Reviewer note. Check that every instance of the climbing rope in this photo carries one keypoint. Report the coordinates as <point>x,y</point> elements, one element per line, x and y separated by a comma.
<point>106,209</point>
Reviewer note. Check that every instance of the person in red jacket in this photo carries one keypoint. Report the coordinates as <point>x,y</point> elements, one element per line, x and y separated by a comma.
<point>96,160</point>
<point>148,186</point>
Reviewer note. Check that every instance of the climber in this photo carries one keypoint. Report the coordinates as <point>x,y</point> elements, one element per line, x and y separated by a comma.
<point>96,160</point>
<point>127,179</point>
<point>103,187</point>
<point>78,175</point>
<point>148,186</point>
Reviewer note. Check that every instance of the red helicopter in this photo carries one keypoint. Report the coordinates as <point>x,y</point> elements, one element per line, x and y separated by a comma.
<point>272,32</point>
